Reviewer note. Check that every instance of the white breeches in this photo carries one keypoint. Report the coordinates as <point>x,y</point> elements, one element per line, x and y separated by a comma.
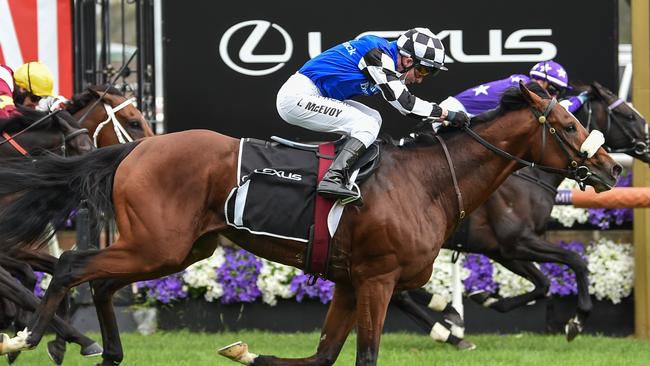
<point>300,103</point>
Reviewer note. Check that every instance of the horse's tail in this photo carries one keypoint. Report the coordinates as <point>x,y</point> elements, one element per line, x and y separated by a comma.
<point>35,194</point>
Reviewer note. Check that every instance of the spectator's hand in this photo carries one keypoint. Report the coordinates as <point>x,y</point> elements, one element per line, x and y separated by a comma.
<point>456,119</point>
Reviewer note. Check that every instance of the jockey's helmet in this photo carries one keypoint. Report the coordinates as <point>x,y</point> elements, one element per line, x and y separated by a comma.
<point>552,72</point>
<point>424,47</point>
<point>36,78</point>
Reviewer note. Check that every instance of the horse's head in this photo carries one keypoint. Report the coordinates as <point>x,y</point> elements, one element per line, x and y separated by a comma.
<point>112,120</point>
<point>34,132</point>
<point>625,129</point>
<point>76,138</point>
<point>566,145</point>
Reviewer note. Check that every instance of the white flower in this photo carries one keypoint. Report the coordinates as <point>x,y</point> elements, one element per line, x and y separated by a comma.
<point>274,280</point>
<point>510,284</point>
<point>569,215</point>
<point>611,269</point>
<point>202,275</point>
<point>441,278</point>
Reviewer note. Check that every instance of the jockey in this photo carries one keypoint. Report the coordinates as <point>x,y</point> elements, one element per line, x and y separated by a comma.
<point>318,96</point>
<point>7,107</point>
<point>550,75</point>
<point>35,87</point>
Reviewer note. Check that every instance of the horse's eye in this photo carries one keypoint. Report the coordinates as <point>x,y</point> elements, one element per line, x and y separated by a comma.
<point>570,128</point>
<point>135,124</point>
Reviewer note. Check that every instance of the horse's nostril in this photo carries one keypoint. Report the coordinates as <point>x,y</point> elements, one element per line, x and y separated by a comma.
<point>617,170</point>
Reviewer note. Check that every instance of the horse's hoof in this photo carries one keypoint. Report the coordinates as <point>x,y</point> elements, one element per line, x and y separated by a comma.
<point>454,319</point>
<point>465,345</point>
<point>92,350</point>
<point>3,341</point>
<point>572,328</point>
<point>483,298</point>
<point>11,357</point>
<point>238,352</point>
<point>56,352</point>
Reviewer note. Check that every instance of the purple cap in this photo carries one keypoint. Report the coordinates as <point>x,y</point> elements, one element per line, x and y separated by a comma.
<point>552,72</point>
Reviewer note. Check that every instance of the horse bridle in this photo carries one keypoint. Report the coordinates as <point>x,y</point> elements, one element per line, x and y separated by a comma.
<point>122,136</point>
<point>11,139</point>
<point>575,170</point>
<point>639,146</point>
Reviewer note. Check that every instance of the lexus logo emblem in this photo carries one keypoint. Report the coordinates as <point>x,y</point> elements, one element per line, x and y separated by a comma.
<point>246,51</point>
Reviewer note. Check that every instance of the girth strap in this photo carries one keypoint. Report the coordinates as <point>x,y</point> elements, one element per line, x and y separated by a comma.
<point>459,195</point>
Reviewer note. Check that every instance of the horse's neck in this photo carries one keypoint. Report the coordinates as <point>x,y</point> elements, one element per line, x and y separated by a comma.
<point>478,170</point>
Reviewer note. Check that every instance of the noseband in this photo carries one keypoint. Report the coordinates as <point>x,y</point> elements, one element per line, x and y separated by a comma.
<point>575,170</point>
<point>122,136</point>
<point>638,146</point>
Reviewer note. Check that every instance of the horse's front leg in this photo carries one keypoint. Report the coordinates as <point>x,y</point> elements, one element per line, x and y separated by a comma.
<point>373,297</point>
<point>340,319</point>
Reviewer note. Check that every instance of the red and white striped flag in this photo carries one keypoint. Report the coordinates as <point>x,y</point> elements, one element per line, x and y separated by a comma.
<point>38,30</point>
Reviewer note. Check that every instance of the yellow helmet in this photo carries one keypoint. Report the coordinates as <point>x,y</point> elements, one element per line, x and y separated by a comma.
<point>36,78</point>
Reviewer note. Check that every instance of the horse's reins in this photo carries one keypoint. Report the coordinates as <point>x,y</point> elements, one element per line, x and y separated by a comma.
<point>11,139</point>
<point>577,171</point>
<point>639,147</point>
<point>121,133</point>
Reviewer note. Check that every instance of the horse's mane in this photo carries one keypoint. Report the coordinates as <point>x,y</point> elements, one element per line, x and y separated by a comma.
<point>81,100</point>
<point>511,100</point>
<point>23,120</point>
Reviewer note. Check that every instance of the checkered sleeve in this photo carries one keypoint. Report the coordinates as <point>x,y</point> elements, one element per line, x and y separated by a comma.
<point>380,69</point>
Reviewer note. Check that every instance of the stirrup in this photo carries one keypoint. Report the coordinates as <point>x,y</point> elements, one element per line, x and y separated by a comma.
<point>355,200</point>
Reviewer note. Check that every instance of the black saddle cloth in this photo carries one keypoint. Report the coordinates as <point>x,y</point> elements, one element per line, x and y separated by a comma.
<point>277,187</point>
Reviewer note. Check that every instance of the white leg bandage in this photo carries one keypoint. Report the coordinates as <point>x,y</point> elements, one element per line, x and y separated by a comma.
<point>438,303</point>
<point>439,333</point>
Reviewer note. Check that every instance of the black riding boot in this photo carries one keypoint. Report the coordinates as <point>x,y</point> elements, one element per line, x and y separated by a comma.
<point>333,185</point>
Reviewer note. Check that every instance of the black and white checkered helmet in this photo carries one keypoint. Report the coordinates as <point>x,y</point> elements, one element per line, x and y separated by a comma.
<point>424,46</point>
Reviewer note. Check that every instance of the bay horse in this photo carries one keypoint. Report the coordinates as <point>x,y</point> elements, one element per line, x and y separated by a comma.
<point>167,195</point>
<point>509,226</point>
<point>113,120</point>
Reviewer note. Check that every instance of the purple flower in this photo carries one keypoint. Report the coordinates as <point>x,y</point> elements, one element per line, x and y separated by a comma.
<point>322,289</point>
<point>38,290</point>
<point>605,217</point>
<point>563,279</point>
<point>164,290</point>
<point>238,276</point>
<point>480,277</point>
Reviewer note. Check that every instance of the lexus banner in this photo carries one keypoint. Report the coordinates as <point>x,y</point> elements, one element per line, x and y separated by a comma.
<point>225,62</point>
<point>38,30</point>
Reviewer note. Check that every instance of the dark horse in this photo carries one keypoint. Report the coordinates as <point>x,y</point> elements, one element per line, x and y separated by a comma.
<point>22,263</point>
<point>167,195</point>
<point>31,134</point>
<point>510,225</point>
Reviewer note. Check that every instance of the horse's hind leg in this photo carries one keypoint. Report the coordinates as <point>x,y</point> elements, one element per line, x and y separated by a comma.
<point>103,291</point>
<point>528,271</point>
<point>340,319</point>
<point>536,249</point>
<point>446,332</point>
<point>26,300</point>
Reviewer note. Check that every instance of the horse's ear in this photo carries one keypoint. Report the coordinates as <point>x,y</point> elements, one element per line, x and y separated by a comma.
<point>598,88</point>
<point>93,92</point>
<point>532,98</point>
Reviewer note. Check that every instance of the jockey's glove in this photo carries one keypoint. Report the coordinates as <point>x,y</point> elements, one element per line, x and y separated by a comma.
<point>457,119</point>
<point>584,96</point>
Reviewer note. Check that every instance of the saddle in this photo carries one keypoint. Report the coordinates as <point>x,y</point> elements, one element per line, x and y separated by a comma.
<point>367,164</point>
<point>276,193</point>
